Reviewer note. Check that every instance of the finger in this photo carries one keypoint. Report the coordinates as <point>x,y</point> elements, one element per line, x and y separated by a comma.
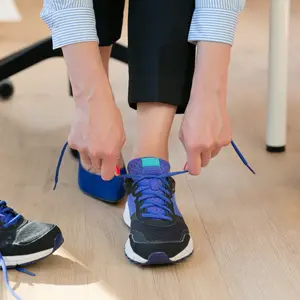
<point>85,158</point>
<point>108,168</point>
<point>194,162</point>
<point>216,151</point>
<point>205,158</point>
<point>96,163</point>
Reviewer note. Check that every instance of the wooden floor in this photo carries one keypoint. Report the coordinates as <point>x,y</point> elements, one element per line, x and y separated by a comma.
<point>246,228</point>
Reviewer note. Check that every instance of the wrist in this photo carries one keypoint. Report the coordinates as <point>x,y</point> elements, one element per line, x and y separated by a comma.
<point>212,61</point>
<point>93,96</point>
<point>210,102</point>
<point>87,74</point>
<point>210,87</point>
<point>211,71</point>
<point>92,89</point>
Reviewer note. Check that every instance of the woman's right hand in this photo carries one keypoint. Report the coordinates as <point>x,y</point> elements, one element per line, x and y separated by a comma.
<point>97,133</point>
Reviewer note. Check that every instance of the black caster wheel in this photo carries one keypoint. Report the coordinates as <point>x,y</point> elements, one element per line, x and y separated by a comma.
<point>74,153</point>
<point>6,90</point>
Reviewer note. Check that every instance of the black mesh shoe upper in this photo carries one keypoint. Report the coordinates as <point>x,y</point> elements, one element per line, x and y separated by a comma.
<point>19,236</point>
<point>146,239</point>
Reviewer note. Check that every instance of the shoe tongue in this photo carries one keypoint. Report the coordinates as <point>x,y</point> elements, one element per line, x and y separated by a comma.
<point>7,216</point>
<point>148,166</point>
<point>151,166</point>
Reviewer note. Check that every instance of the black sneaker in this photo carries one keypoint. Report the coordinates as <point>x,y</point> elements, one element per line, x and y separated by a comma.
<point>24,242</point>
<point>158,233</point>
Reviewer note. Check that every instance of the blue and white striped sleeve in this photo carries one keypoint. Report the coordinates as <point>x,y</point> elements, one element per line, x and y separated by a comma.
<point>70,21</point>
<point>215,20</point>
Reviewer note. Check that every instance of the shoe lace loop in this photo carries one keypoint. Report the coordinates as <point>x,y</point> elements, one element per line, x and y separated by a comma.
<point>154,195</point>
<point>8,216</point>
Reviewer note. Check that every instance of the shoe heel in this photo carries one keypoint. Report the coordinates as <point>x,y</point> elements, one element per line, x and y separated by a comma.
<point>93,185</point>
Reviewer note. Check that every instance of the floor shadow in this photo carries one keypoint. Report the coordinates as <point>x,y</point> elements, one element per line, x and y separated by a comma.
<point>70,272</point>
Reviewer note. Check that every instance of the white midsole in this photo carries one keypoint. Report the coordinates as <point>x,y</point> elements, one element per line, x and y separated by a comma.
<point>135,257</point>
<point>12,261</point>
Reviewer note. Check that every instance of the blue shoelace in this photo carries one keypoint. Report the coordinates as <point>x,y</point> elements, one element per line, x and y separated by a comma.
<point>158,209</point>
<point>63,150</point>
<point>9,217</point>
<point>154,203</point>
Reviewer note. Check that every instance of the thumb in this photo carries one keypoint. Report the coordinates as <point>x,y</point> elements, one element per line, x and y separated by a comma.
<point>194,162</point>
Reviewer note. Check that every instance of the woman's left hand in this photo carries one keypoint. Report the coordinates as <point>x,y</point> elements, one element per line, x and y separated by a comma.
<point>206,127</point>
<point>204,131</point>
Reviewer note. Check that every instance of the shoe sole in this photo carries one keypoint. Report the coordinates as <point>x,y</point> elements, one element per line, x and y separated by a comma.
<point>25,260</point>
<point>155,258</point>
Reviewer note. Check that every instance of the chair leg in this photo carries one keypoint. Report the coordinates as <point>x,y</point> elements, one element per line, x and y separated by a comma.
<point>27,57</point>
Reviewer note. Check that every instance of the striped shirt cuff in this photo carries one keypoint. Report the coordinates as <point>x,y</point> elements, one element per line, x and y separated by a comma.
<point>72,25</point>
<point>213,25</point>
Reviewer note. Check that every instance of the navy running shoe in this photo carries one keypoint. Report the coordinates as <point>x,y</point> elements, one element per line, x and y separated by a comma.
<point>158,233</point>
<point>24,242</point>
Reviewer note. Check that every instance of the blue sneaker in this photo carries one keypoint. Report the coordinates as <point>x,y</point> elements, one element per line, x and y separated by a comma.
<point>158,233</point>
<point>93,185</point>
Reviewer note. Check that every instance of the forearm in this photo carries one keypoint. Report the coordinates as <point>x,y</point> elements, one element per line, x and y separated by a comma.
<point>73,28</point>
<point>212,30</point>
<point>211,70</point>
<point>86,71</point>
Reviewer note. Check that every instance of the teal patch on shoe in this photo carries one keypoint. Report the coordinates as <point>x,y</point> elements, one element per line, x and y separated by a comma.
<point>150,162</point>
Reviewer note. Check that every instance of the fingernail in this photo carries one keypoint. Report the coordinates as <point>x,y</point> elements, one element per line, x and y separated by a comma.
<point>185,166</point>
<point>118,172</point>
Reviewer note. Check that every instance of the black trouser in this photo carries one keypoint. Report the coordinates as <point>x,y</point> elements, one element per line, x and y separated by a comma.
<point>161,60</point>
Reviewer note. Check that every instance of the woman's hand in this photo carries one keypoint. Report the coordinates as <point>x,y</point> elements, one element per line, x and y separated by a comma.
<point>97,131</point>
<point>206,128</point>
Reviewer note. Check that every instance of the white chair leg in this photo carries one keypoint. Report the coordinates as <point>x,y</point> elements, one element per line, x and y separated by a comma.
<point>278,63</point>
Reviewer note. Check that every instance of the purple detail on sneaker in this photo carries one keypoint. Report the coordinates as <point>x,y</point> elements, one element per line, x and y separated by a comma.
<point>155,185</point>
<point>135,167</point>
<point>158,258</point>
<point>131,204</point>
<point>58,241</point>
